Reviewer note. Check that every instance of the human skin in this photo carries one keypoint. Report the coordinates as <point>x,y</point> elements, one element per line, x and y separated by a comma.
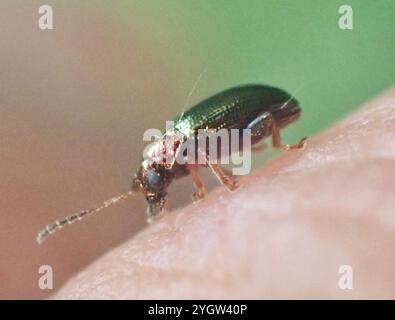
<point>283,234</point>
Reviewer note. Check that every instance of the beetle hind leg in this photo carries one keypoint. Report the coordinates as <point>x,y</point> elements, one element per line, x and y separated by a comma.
<point>277,143</point>
<point>264,126</point>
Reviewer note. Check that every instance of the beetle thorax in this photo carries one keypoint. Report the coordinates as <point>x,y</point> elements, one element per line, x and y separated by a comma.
<point>163,151</point>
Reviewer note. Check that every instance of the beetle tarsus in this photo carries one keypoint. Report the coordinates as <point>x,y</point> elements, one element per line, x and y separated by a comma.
<point>300,145</point>
<point>224,177</point>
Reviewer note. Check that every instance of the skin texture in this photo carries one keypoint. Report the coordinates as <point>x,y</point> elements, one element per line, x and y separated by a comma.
<point>283,234</point>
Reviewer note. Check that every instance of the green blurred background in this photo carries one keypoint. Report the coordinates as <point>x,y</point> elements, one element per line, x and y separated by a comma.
<point>296,45</point>
<point>75,101</point>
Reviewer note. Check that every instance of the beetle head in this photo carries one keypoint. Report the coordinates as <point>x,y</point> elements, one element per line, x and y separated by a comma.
<point>153,181</point>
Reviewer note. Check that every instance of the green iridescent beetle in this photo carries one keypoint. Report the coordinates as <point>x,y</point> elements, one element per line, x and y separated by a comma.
<point>262,109</point>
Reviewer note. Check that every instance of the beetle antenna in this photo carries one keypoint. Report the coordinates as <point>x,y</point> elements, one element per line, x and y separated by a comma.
<point>191,92</point>
<point>59,224</point>
<point>293,95</point>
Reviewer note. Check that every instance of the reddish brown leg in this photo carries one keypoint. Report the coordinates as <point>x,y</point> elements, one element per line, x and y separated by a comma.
<point>200,189</point>
<point>224,177</point>
<point>276,139</point>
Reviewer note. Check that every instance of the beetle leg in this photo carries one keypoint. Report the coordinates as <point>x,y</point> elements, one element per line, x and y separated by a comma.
<point>227,172</point>
<point>276,139</point>
<point>224,177</point>
<point>200,189</point>
<point>265,125</point>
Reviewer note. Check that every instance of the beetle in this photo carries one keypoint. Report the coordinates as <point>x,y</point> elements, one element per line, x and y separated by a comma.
<point>262,109</point>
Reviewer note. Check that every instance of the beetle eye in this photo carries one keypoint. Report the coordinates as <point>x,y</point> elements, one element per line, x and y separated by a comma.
<point>153,179</point>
